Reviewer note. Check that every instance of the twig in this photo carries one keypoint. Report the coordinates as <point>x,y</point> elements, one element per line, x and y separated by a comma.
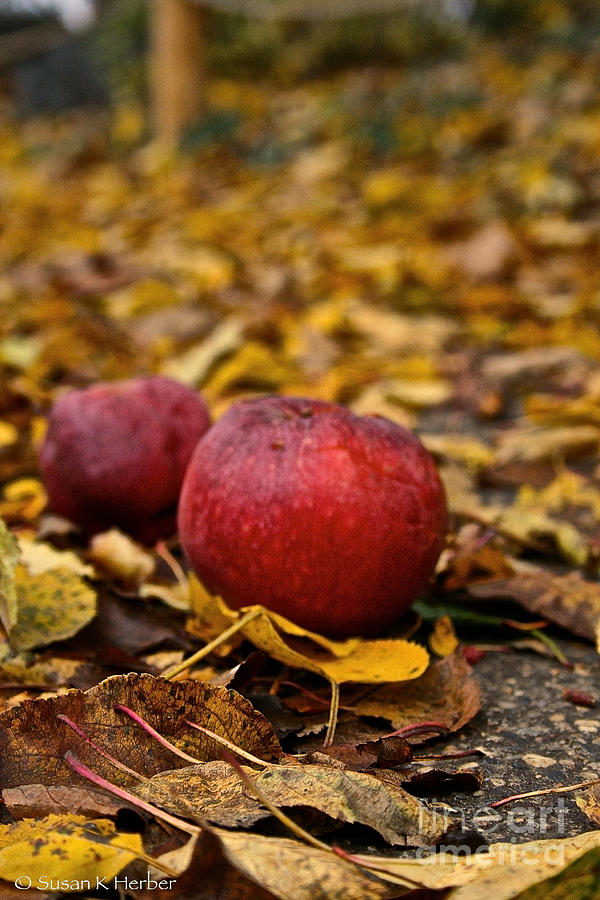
<point>554,790</point>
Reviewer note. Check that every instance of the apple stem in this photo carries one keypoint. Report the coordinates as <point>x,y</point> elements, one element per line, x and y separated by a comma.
<point>75,763</point>
<point>553,790</point>
<point>333,714</point>
<point>230,746</point>
<point>208,648</point>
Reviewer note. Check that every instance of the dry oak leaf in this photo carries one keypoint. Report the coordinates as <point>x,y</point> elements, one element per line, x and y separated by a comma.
<point>69,849</point>
<point>33,741</point>
<point>505,871</point>
<point>567,600</point>
<point>352,660</point>
<point>447,692</point>
<point>215,792</point>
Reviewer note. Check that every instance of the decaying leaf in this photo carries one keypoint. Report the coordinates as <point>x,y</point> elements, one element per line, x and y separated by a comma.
<point>51,607</point>
<point>568,600</point>
<point>67,849</point>
<point>120,556</point>
<point>447,692</point>
<point>165,705</point>
<point>215,792</point>
<point>589,802</point>
<point>9,557</point>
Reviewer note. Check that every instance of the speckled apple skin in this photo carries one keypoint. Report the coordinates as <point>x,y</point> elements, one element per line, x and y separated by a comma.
<point>333,520</point>
<point>115,454</point>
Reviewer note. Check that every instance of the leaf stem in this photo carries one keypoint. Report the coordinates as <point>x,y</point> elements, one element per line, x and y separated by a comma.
<point>75,763</point>
<point>274,810</point>
<point>553,647</point>
<point>155,734</point>
<point>111,759</point>
<point>229,744</point>
<point>208,648</point>
<point>333,714</point>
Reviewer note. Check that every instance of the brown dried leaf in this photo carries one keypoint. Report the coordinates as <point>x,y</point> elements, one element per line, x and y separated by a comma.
<point>293,871</point>
<point>567,600</point>
<point>448,692</point>
<point>33,741</point>
<point>589,803</point>
<point>216,793</point>
<point>38,800</point>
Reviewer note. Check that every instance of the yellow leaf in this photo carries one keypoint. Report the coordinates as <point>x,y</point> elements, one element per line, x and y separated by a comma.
<point>502,872</point>
<point>51,607</point>
<point>193,365</point>
<point>8,434</point>
<point>38,557</point>
<point>71,851</point>
<point>24,497</point>
<point>367,661</point>
<point>9,557</point>
<point>252,364</point>
<point>120,556</point>
<point>443,640</point>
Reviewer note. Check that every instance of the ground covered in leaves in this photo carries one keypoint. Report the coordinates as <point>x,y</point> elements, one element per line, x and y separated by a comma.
<point>417,244</point>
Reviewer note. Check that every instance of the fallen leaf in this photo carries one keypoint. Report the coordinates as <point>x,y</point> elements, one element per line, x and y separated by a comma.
<point>368,661</point>
<point>447,692</point>
<point>589,802</point>
<point>165,705</point>
<point>502,871</point>
<point>443,640</point>
<point>215,792</point>
<point>294,871</point>
<point>118,555</point>
<point>38,557</point>
<point>193,365</point>
<point>38,800</point>
<point>569,600</point>
<point>51,607</point>
<point>65,849</point>
<point>9,557</point>
<point>538,444</point>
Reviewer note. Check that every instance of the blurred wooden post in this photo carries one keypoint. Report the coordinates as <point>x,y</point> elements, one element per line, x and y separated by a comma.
<point>177,65</point>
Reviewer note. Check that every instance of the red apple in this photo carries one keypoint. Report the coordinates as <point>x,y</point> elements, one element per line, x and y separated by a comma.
<point>333,520</point>
<point>115,454</point>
